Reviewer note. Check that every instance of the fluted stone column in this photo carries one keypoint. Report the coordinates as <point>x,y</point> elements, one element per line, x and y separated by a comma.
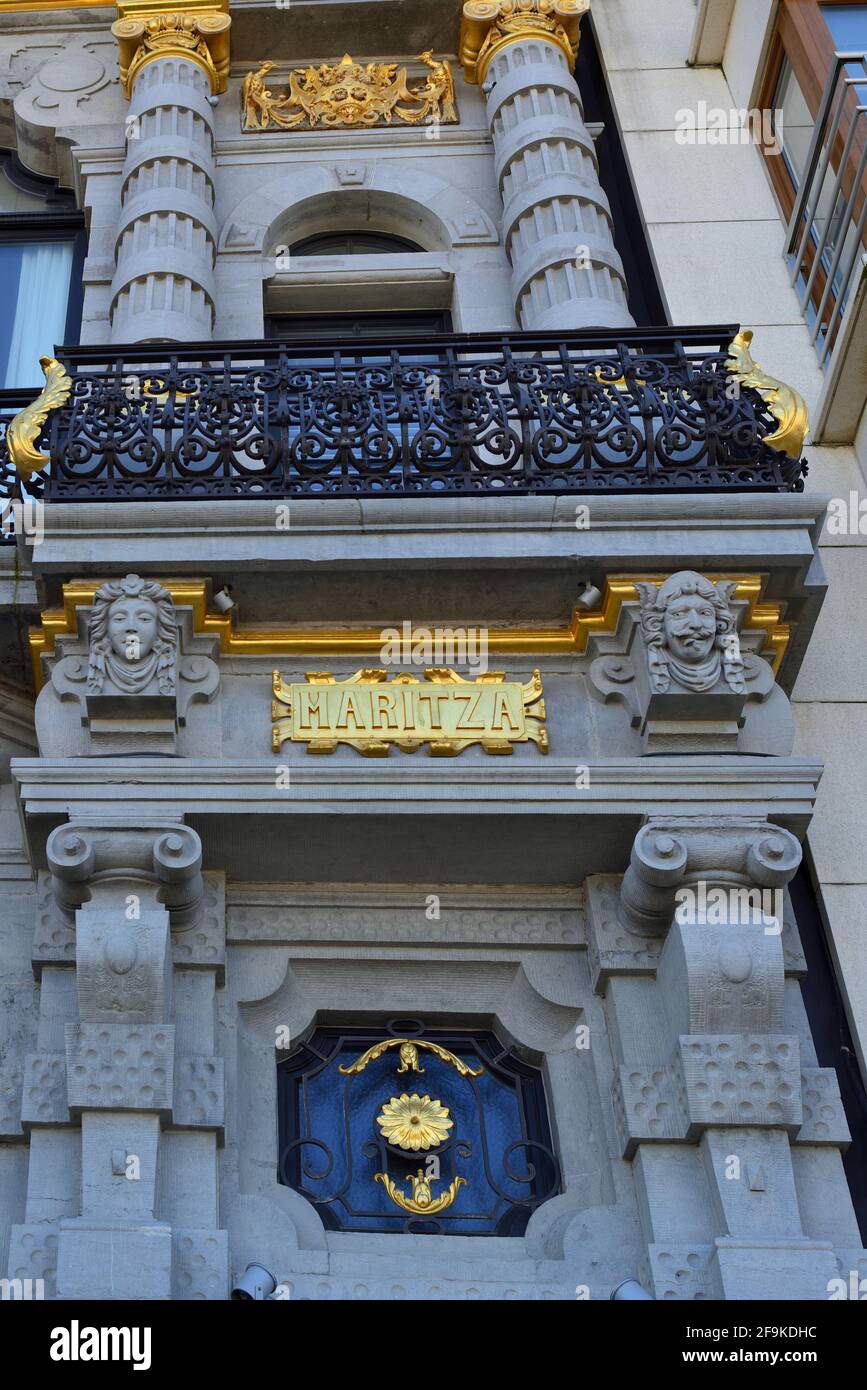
<point>171,66</point>
<point>166,246</point>
<point>557,226</point>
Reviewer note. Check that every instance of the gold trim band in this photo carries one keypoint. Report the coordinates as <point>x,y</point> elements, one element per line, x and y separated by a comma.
<point>347,641</point>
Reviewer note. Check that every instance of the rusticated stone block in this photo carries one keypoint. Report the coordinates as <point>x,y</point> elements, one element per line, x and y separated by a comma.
<point>203,947</point>
<point>648,1106</point>
<point>114,1260</point>
<point>10,1101</point>
<point>742,1079</point>
<point>33,1255</point>
<point>824,1117</point>
<point>111,1066</point>
<point>43,1096</point>
<point>611,948</point>
<point>53,938</point>
<point>683,1273</point>
<point>199,1093</point>
<point>200,1264</point>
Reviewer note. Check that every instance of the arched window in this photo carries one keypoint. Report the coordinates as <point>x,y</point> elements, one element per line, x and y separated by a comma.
<point>353,244</point>
<point>42,241</point>
<point>403,320</point>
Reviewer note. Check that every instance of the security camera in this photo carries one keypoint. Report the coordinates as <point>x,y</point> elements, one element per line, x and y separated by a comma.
<point>590,599</point>
<point>255,1283</point>
<point>631,1289</point>
<point>223,600</point>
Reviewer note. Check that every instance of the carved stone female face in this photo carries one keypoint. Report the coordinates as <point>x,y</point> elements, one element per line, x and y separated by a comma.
<point>132,627</point>
<point>690,628</point>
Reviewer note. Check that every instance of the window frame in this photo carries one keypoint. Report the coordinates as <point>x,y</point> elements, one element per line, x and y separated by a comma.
<point>60,221</point>
<point>802,36</point>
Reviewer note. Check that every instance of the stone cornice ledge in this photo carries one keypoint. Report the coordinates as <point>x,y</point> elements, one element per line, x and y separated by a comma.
<point>185,536</point>
<point>783,788</point>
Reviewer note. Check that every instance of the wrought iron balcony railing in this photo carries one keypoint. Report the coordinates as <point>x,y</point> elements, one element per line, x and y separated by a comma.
<point>661,410</point>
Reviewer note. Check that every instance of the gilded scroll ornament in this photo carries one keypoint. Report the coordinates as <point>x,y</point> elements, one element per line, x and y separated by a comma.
<point>198,31</point>
<point>348,96</point>
<point>444,711</point>
<point>22,433</point>
<point>408,1058</point>
<point>488,26</point>
<point>422,1201</point>
<point>414,1122</point>
<point>784,403</point>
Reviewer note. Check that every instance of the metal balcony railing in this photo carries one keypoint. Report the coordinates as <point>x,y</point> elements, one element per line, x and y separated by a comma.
<point>825,238</point>
<point>648,409</point>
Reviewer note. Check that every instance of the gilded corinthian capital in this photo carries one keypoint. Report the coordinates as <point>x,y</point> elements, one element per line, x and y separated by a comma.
<point>197,30</point>
<point>487,26</point>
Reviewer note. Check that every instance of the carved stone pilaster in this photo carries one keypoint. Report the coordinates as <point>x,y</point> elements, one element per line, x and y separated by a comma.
<point>711,1091</point>
<point>126,1066</point>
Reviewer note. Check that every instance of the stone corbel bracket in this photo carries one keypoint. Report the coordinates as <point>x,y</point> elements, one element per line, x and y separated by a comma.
<point>672,854</point>
<point>165,859</point>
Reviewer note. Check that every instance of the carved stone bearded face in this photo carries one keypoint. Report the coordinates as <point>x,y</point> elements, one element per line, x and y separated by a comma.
<point>690,626</point>
<point>132,627</point>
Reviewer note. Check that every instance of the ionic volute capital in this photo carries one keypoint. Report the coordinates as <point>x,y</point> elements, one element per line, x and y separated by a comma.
<point>669,855</point>
<point>197,31</point>
<point>93,863</point>
<point>489,26</point>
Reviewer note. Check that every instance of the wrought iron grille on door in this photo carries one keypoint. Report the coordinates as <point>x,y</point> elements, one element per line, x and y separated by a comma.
<point>409,1129</point>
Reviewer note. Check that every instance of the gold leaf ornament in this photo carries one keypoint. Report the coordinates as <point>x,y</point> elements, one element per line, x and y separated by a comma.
<point>350,95</point>
<point>414,1122</point>
<point>24,430</point>
<point>422,1201</point>
<point>788,408</point>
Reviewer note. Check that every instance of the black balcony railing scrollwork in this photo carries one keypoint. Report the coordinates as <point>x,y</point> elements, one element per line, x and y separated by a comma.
<point>654,409</point>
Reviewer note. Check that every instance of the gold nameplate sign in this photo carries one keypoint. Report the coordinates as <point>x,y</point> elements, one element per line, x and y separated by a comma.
<point>443,710</point>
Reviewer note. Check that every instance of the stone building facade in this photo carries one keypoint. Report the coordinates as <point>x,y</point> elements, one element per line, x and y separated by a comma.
<point>431,712</point>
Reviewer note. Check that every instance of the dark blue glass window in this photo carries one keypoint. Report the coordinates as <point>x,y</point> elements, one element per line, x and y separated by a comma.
<point>406,1129</point>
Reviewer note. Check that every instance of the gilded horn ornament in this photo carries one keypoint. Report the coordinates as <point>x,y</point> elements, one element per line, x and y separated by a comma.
<point>785,404</point>
<point>422,1202</point>
<point>414,1122</point>
<point>374,1053</point>
<point>22,433</point>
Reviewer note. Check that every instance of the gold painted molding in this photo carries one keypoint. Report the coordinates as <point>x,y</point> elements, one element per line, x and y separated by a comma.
<point>292,642</point>
<point>197,30</point>
<point>489,26</point>
<point>13,6</point>
<point>785,404</point>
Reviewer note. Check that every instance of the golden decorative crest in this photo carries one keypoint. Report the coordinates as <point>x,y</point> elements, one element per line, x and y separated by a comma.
<point>784,403</point>
<point>350,95</point>
<point>414,1122</point>
<point>409,1057</point>
<point>422,1201</point>
<point>487,26</point>
<point>443,711</point>
<point>22,433</point>
<point>197,30</point>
